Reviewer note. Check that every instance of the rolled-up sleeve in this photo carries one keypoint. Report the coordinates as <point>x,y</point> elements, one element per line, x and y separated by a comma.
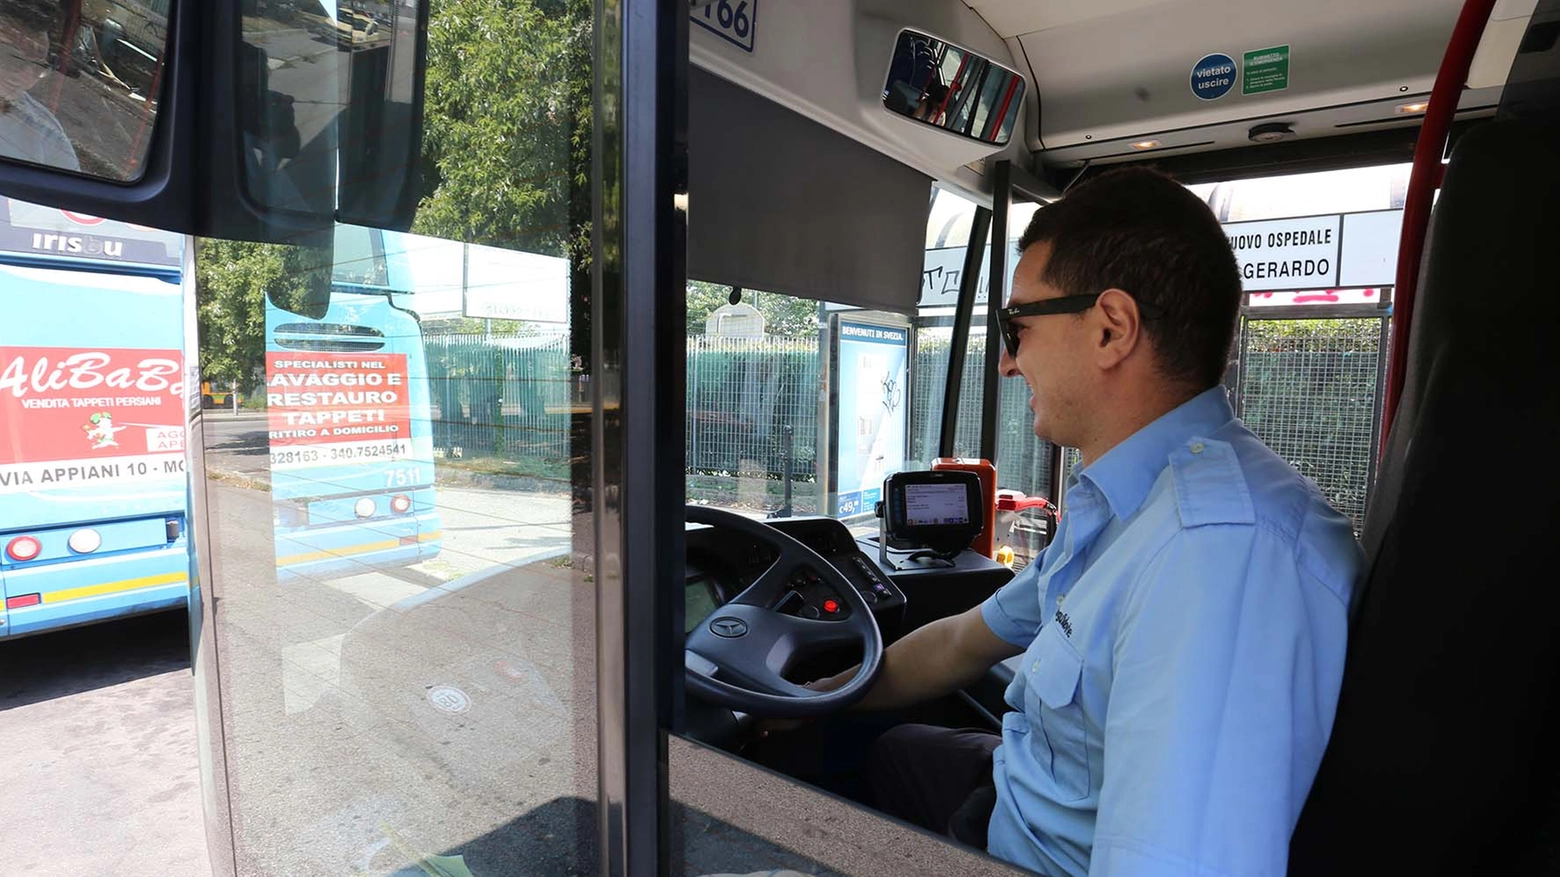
<point>1226,673</point>
<point>1014,613</point>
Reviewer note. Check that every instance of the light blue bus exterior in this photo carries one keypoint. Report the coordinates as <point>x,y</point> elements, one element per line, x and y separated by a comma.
<point>363,500</point>
<point>92,416</point>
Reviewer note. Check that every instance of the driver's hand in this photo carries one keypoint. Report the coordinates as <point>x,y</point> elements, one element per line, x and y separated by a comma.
<point>768,726</point>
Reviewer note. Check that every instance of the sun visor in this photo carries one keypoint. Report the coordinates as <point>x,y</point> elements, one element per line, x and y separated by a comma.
<point>778,202</point>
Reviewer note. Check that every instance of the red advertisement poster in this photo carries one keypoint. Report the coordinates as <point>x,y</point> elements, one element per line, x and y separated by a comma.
<point>73,417</point>
<point>337,407</point>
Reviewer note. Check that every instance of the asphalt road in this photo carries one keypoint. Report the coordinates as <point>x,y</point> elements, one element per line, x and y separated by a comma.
<point>97,751</point>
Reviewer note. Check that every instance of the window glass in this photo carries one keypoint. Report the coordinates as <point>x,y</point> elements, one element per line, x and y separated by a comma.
<point>80,82</point>
<point>754,424</point>
<point>841,398</point>
<point>1311,353</point>
<point>1023,459</point>
<point>947,238</point>
<point>399,592</point>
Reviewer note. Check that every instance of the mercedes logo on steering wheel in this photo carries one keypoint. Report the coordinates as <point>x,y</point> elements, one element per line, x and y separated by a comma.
<point>728,627</point>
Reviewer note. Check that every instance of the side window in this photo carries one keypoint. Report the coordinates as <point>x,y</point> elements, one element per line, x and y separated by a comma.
<point>755,425</point>
<point>1311,354</point>
<point>947,239</point>
<point>396,580</point>
<point>1024,461</point>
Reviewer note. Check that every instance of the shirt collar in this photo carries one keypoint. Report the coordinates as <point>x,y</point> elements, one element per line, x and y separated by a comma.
<point>1126,472</point>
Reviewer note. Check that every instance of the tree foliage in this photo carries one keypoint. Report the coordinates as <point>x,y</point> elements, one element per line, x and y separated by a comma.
<point>508,126</point>
<point>234,278</point>
<point>783,314</point>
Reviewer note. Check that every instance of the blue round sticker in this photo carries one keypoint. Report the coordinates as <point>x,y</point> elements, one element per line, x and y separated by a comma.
<point>1213,76</point>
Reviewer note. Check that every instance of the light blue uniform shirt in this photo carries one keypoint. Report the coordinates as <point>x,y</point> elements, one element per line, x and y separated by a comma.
<point>1184,637</point>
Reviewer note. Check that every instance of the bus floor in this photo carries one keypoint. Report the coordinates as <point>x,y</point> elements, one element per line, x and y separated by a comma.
<point>98,771</point>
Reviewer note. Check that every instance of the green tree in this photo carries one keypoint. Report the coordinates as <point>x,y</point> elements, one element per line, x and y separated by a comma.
<point>783,314</point>
<point>507,131</point>
<point>507,146</point>
<point>235,277</point>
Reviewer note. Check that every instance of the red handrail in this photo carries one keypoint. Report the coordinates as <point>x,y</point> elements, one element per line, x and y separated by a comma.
<point>1423,180</point>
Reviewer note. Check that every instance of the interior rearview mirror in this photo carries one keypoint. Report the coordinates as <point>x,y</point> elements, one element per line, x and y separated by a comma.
<point>949,87</point>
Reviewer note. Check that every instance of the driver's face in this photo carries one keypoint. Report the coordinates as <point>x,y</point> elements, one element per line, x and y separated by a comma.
<point>23,50</point>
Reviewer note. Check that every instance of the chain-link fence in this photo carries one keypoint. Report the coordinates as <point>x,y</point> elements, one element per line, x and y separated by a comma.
<point>753,416</point>
<point>752,411</point>
<point>1308,388</point>
<point>503,397</point>
<point>1023,461</point>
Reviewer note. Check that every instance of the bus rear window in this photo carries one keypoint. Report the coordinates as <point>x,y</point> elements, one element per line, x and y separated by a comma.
<point>328,336</point>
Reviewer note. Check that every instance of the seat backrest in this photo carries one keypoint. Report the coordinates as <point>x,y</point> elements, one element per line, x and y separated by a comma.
<point>1442,758</point>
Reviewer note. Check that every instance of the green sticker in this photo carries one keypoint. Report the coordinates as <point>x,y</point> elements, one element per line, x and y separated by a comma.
<point>1265,70</point>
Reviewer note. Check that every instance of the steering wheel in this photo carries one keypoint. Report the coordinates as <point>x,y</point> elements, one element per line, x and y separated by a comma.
<point>753,645</point>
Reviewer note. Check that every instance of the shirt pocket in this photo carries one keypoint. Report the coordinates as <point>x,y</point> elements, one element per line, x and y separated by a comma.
<point>1052,702</point>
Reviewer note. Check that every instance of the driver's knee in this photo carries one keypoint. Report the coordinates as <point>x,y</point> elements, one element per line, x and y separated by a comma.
<point>925,773</point>
<point>892,766</point>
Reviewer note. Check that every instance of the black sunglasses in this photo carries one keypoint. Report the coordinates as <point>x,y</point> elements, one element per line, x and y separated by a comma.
<point>1067,304</point>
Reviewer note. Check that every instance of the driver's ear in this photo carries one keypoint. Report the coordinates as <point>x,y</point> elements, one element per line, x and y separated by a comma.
<point>1117,327</point>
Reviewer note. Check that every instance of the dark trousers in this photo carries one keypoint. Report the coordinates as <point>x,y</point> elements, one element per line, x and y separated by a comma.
<point>937,778</point>
<point>931,776</point>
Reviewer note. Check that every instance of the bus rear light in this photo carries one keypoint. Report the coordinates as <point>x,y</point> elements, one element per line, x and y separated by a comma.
<point>23,548</point>
<point>23,601</point>
<point>85,541</point>
<point>401,504</point>
<point>365,508</point>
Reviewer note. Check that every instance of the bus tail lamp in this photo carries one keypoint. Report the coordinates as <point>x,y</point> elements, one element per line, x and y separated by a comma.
<point>85,541</point>
<point>401,504</point>
<point>364,508</point>
<point>23,601</point>
<point>23,548</point>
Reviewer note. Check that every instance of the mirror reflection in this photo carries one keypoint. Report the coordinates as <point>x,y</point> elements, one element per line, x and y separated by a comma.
<point>79,82</point>
<point>329,94</point>
<point>952,88</point>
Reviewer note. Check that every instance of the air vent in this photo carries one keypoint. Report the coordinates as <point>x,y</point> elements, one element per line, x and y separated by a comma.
<point>328,336</point>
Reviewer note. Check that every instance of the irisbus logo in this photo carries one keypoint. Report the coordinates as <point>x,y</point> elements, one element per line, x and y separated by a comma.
<point>77,245</point>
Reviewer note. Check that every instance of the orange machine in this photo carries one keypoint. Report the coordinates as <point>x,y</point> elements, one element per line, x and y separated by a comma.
<point>987,472</point>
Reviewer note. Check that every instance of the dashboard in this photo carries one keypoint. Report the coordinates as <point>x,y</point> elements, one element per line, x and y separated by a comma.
<point>721,564</point>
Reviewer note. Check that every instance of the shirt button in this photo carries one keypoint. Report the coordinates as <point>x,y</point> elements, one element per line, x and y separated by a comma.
<point>1198,447</point>
<point>1035,667</point>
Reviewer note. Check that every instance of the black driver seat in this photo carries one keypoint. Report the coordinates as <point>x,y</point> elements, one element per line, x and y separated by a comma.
<point>1443,756</point>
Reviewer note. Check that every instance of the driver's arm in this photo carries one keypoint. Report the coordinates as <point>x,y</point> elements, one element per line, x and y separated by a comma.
<point>943,657</point>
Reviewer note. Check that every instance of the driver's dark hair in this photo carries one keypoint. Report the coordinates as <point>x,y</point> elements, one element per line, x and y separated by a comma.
<point>1138,230</point>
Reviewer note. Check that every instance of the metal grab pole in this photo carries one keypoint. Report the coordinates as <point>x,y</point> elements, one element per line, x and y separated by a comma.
<point>1422,183</point>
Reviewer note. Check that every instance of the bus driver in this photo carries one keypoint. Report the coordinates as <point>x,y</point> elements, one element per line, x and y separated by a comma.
<point>1183,636</point>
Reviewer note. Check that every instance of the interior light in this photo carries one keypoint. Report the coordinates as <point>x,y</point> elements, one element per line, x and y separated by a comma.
<point>1145,144</point>
<point>1408,109</point>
